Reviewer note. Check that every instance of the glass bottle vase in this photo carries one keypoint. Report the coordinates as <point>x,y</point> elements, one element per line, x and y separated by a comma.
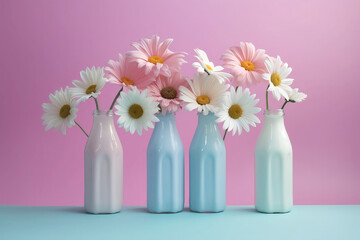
<point>165,167</point>
<point>207,162</point>
<point>274,166</point>
<point>103,166</point>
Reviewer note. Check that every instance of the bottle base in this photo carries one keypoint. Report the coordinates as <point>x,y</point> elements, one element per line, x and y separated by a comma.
<point>218,211</point>
<point>102,213</point>
<point>208,210</point>
<point>164,212</point>
<point>273,212</point>
<point>98,211</point>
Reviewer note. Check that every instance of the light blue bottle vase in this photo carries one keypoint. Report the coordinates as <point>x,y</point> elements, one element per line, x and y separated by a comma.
<point>207,167</point>
<point>165,167</point>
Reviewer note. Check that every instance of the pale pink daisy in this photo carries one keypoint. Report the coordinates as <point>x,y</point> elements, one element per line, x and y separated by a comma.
<point>127,74</point>
<point>246,63</point>
<point>156,57</point>
<point>165,90</point>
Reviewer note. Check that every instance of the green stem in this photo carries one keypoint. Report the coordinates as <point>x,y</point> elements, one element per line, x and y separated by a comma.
<point>225,134</point>
<point>116,97</point>
<point>267,98</point>
<point>97,104</point>
<point>286,101</point>
<point>236,88</point>
<point>81,128</point>
<point>207,71</point>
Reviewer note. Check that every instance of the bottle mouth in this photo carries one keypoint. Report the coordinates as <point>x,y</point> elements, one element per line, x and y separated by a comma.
<point>274,112</point>
<point>103,113</point>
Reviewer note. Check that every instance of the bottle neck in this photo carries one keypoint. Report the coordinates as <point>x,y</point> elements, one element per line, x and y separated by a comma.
<point>166,125</point>
<point>165,121</point>
<point>274,118</point>
<point>103,120</point>
<point>168,117</point>
<point>207,130</point>
<point>207,122</point>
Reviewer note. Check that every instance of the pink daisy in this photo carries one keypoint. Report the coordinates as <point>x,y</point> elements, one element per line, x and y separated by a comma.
<point>246,63</point>
<point>156,57</point>
<point>165,90</point>
<point>127,74</point>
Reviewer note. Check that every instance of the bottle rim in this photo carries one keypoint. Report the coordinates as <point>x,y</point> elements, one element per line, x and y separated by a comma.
<point>274,112</point>
<point>103,112</point>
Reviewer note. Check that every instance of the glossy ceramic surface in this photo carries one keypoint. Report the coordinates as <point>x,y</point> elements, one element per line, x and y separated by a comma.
<point>207,167</point>
<point>103,166</point>
<point>165,167</point>
<point>274,166</point>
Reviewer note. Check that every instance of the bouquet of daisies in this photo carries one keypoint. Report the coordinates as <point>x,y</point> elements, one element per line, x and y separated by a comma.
<point>148,78</point>
<point>250,66</point>
<point>235,106</point>
<point>210,91</point>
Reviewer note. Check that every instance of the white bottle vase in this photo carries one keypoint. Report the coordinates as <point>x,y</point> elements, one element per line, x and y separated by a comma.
<point>103,166</point>
<point>274,166</point>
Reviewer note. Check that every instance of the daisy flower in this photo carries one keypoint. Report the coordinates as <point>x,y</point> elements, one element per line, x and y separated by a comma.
<point>296,96</point>
<point>277,73</point>
<point>204,65</point>
<point>238,111</point>
<point>61,112</point>
<point>156,57</point>
<point>136,111</point>
<point>165,90</point>
<point>93,81</point>
<point>246,63</point>
<point>205,94</point>
<point>127,74</point>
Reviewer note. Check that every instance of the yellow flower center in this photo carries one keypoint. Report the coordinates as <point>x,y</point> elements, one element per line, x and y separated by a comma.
<point>65,111</point>
<point>127,81</point>
<point>155,59</point>
<point>275,79</point>
<point>235,111</point>
<point>168,93</point>
<point>208,67</point>
<point>91,89</point>
<point>249,66</point>
<point>203,100</point>
<point>136,111</point>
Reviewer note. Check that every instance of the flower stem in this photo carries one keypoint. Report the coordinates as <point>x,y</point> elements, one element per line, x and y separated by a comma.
<point>267,98</point>
<point>207,72</point>
<point>286,101</point>
<point>116,97</point>
<point>81,128</point>
<point>97,104</point>
<point>225,134</point>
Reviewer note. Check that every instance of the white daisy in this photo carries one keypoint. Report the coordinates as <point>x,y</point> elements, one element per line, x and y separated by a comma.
<point>296,96</point>
<point>206,93</point>
<point>204,65</point>
<point>136,111</point>
<point>277,74</point>
<point>238,111</point>
<point>92,81</point>
<point>61,112</point>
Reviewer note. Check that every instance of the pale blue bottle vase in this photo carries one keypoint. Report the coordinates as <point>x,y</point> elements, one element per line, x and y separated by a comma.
<point>165,167</point>
<point>207,167</point>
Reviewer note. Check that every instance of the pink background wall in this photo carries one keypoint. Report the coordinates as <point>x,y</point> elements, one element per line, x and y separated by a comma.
<point>44,45</point>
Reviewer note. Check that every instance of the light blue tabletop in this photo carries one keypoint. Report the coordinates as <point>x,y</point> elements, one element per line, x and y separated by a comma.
<point>237,222</point>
